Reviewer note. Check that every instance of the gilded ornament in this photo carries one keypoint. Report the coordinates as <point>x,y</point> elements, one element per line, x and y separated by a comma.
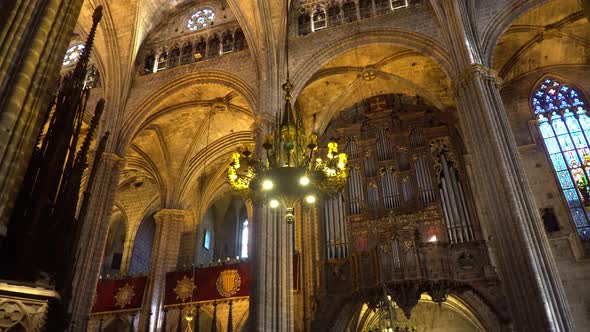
<point>184,288</point>
<point>228,283</point>
<point>124,296</point>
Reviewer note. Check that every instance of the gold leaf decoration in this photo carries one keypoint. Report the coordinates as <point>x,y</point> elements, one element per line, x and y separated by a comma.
<point>124,296</point>
<point>184,288</point>
<point>228,283</point>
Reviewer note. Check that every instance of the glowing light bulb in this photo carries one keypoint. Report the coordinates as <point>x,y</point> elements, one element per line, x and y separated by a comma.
<point>274,203</point>
<point>267,185</point>
<point>310,199</point>
<point>433,239</point>
<point>304,181</point>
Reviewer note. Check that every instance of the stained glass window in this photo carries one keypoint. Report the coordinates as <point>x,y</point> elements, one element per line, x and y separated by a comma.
<point>244,249</point>
<point>73,54</point>
<point>201,19</point>
<point>565,128</point>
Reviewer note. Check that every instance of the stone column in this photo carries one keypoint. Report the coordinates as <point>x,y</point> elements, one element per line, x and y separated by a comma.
<point>165,250</point>
<point>508,210</point>
<point>93,238</point>
<point>502,194</point>
<point>271,294</point>
<point>33,39</point>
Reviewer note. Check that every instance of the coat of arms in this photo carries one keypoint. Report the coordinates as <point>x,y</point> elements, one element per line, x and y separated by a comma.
<point>228,283</point>
<point>184,288</point>
<point>124,296</point>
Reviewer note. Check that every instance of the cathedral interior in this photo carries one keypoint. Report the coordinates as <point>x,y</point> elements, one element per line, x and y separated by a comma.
<point>295,165</point>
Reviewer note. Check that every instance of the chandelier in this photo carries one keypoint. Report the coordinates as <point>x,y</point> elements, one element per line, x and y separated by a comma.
<point>289,167</point>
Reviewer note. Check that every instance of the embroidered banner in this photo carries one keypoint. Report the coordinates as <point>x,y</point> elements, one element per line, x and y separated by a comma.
<point>214,283</point>
<point>208,284</point>
<point>119,295</point>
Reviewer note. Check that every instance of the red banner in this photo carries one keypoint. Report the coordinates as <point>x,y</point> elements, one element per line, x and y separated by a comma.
<point>214,283</point>
<point>208,284</point>
<point>119,295</point>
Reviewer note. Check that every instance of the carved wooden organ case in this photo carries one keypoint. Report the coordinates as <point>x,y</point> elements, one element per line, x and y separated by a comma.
<point>407,212</point>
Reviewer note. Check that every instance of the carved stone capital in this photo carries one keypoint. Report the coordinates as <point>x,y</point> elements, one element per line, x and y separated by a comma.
<point>173,215</point>
<point>113,160</point>
<point>476,71</point>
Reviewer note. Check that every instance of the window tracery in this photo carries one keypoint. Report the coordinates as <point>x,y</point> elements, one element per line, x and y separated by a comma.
<point>201,19</point>
<point>398,4</point>
<point>73,54</point>
<point>318,20</point>
<point>565,127</point>
<point>244,240</point>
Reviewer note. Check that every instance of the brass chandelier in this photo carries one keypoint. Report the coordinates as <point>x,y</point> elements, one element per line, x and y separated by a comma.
<point>289,170</point>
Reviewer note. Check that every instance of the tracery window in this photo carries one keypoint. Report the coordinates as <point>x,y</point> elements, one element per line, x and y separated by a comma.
<point>398,4</point>
<point>227,42</point>
<point>565,128</point>
<point>73,54</point>
<point>187,53</point>
<point>318,19</point>
<point>174,57</point>
<point>349,10</point>
<point>201,19</point>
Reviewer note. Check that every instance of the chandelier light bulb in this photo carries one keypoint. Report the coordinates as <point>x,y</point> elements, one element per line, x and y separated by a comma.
<point>433,239</point>
<point>273,203</point>
<point>304,181</point>
<point>310,199</point>
<point>267,185</point>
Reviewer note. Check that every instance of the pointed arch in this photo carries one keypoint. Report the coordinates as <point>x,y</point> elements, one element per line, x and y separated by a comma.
<point>564,125</point>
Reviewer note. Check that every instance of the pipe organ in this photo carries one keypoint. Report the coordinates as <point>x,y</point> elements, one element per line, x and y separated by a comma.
<point>402,160</point>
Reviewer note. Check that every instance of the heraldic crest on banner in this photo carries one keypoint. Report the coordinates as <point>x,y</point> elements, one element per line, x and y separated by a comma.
<point>184,288</point>
<point>228,283</point>
<point>124,296</point>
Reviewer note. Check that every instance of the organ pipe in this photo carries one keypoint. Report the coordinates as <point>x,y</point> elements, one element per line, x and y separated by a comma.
<point>336,228</point>
<point>458,218</point>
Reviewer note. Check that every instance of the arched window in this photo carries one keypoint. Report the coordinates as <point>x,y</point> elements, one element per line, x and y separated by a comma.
<point>227,42</point>
<point>162,60</point>
<point>201,19</point>
<point>174,57</point>
<point>73,54</point>
<point>382,6</point>
<point>200,50</point>
<point>213,47</point>
<point>318,19</point>
<point>334,14</point>
<point>187,54</point>
<point>244,240</point>
<point>239,40</point>
<point>149,63</point>
<point>349,10</point>
<point>366,8</point>
<point>398,4</point>
<point>303,23</point>
<point>92,79</point>
<point>565,128</point>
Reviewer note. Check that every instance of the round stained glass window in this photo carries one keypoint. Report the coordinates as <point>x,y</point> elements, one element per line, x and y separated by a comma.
<point>73,54</point>
<point>201,19</point>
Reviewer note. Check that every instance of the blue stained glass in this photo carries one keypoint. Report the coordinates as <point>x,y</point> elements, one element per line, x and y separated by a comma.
<point>546,130</point>
<point>579,139</point>
<point>565,180</point>
<point>571,196</point>
<point>560,96</point>
<point>547,81</point>
<point>551,107</point>
<point>571,122</point>
<point>539,93</point>
<point>552,145</point>
<point>555,83</point>
<point>573,94</point>
<point>564,88</point>
<point>538,110</point>
<point>564,104</point>
<point>558,125</point>
<point>566,142</point>
<point>548,99</point>
<point>536,101</point>
<point>558,162</point>
<point>571,159</point>
<point>579,218</point>
<point>584,119</point>
<point>577,102</point>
